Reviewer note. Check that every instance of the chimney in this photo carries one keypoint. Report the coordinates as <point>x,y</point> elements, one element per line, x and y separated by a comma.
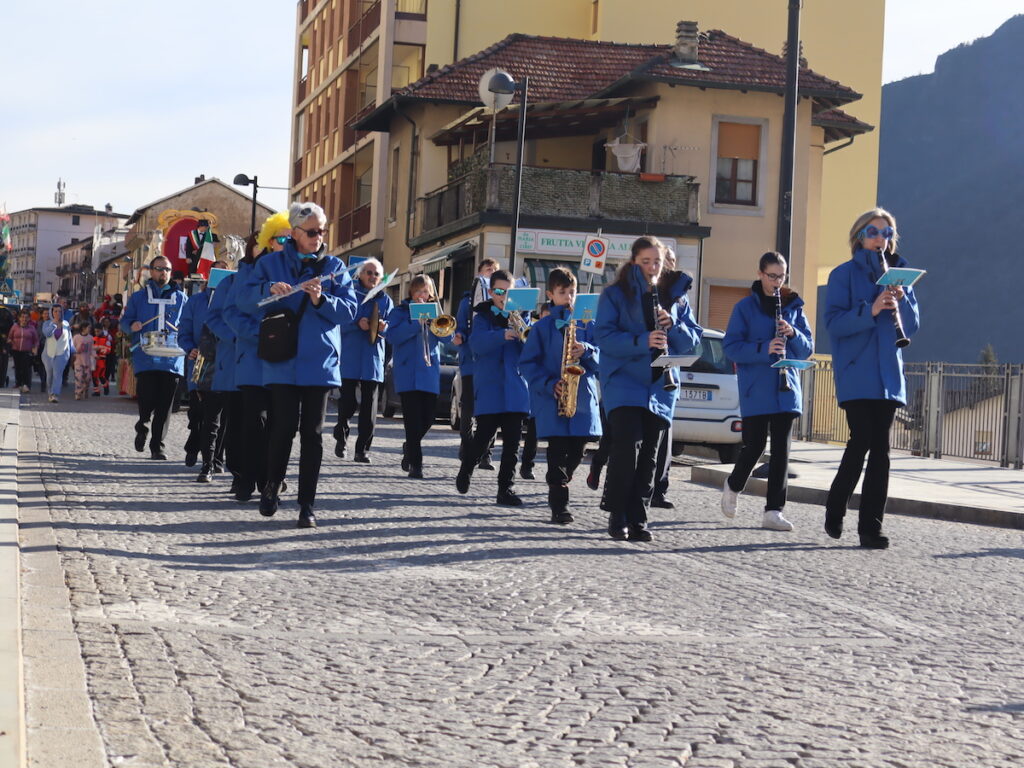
<point>108,208</point>
<point>200,178</point>
<point>685,49</point>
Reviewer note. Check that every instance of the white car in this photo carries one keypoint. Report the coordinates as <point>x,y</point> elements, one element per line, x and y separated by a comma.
<point>708,409</point>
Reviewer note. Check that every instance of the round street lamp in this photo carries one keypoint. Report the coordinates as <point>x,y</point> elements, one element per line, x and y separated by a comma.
<point>241,180</point>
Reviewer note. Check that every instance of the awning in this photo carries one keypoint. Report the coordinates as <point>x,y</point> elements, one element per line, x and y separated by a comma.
<point>435,261</point>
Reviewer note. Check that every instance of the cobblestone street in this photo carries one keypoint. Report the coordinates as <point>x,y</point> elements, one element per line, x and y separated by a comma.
<point>417,627</point>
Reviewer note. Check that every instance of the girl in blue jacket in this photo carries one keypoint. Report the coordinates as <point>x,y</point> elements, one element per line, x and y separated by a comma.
<point>362,362</point>
<point>501,395</point>
<point>754,341</point>
<point>541,364</point>
<point>416,382</point>
<point>638,408</point>
<point>299,385</point>
<point>868,369</point>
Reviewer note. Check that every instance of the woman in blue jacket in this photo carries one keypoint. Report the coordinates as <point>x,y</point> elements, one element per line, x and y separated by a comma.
<point>638,407</point>
<point>56,349</point>
<point>541,364</point>
<point>868,369</point>
<point>501,395</point>
<point>754,341</point>
<point>417,380</point>
<point>223,388</point>
<point>299,385</point>
<point>362,362</point>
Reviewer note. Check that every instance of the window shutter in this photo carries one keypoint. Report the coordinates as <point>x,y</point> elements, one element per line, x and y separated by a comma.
<point>721,300</point>
<point>739,140</point>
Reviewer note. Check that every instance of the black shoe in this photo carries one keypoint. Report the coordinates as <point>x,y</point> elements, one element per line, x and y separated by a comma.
<point>340,450</point>
<point>485,463</point>
<point>834,528</point>
<point>526,472</point>
<point>361,458</point>
<point>218,469</point>
<point>562,518</point>
<point>662,503</point>
<point>158,455</point>
<point>191,457</point>
<point>205,475</point>
<point>284,487</point>
<point>462,481</point>
<point>507,498</point>
<point>416,473</point>
<point>874,541</point>
<point>619,534</point>
<point>638,534</point>
<point>244,493</point>
<point>269,500</point>
<point>593,479</point>
<point>306,517</point>
<point>141,433</point>
<point>106,390</point>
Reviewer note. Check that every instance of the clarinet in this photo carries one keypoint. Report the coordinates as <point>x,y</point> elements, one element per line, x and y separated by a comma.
<point>901,337</point>
<point>783,373</point>
<point>651,306</point>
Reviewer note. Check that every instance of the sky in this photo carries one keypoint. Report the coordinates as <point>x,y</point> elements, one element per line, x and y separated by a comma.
<point>129,101</point>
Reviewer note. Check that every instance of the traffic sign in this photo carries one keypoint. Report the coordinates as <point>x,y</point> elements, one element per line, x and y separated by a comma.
<point>595,253</point>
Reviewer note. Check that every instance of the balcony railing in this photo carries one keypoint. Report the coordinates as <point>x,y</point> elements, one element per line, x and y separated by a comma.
<point>562,192</point>
<point>363,28</point>
<point>300,90</point>
<point>354,224</point>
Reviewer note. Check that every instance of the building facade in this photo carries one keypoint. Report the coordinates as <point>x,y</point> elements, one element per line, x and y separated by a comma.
<point>37,235</point>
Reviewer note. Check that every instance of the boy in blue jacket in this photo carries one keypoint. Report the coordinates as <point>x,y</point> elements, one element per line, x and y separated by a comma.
<point>463,325</point>
<point>542,363</point>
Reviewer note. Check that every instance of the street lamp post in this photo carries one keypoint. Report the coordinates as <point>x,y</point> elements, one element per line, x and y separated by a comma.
<point>241,180</point>
<point>502,83</point>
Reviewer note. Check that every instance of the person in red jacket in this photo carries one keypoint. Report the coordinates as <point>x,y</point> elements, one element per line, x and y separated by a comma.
<point>102,346</point>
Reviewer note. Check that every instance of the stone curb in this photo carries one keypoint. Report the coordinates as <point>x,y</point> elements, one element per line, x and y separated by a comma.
<point>715,476</point>
<point>12,702</point>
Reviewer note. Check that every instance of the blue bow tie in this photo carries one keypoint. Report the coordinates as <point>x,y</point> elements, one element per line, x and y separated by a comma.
<point>496,311</point>
<point>559,323</point>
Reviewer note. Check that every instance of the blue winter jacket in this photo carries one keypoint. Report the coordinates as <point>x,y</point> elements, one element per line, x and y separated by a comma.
<point>411,372</point>
<point>751,329</point>
<point>224,362</point>
<point>462,325</point>
<point>360,359</point>
<point>139,310</point>
<point>190,329</point>
<point>865,359</point>
<point>541,364</point>
<point>621,334</point>
<point>319,346</point>
<point>498,384</point>
<point>246,327</point>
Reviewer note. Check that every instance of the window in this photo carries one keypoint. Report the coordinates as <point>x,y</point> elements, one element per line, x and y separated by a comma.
<point>736,167</point>
<point>393,199</point>
<point>407,65</point>
<point>76,220</point>
<point>594,13</point>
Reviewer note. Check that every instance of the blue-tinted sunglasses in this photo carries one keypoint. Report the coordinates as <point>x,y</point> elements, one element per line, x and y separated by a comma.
<point>499,291</point>
<point>282,239</point>
<point>871,231</point>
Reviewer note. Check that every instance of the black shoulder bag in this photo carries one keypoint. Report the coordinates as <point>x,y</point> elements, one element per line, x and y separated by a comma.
<point>279,333</point>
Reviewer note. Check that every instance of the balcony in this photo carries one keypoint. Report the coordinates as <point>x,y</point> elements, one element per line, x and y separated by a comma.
<point>354,224</point>
<point>363,28</point>
<point>599,198</point>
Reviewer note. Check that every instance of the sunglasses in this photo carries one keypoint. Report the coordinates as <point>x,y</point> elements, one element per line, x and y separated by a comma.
<point>160,269</point>
<point>282,239</point>
<point>871,231</point>
<point>313,232</point>
<point>499,291</point>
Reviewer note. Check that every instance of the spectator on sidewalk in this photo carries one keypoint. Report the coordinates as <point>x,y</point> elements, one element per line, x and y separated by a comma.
<point>85,359</point>
<point>56,350</point>
<point>6,323</point>
<point>24,338</point>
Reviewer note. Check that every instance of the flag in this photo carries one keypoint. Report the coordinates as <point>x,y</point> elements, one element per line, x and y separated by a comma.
<point>5,229</point>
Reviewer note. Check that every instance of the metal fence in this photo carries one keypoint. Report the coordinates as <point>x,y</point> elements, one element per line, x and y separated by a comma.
<point>965,411</point>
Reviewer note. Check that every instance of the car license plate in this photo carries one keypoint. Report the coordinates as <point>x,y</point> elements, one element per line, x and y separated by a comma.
<point>696,394</point>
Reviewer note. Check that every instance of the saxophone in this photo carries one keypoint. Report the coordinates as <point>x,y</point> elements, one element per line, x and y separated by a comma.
<point>571,373</point>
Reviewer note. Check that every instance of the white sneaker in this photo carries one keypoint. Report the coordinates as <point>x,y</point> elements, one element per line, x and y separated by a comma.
<point>729,499</point>
<point>774,521</point>
<point>24,388</point>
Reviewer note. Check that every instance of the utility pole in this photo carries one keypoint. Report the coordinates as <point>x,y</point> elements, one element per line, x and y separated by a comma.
<point>784,228</point>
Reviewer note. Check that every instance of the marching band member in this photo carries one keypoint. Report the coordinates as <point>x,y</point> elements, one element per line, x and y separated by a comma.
<point>762,329</point>
<point>630,326</point>
<point>223,385</point>
<point>156,378</point>
<point>463,324</point>
<point>501,395</point>
<point>307,361</point>
<point>862,320</point>
<point>362,361</point>
<point>416,367</point>
<point>543,362</point>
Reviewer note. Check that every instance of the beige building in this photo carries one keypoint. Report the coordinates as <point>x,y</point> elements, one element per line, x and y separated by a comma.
<point>712,198</point>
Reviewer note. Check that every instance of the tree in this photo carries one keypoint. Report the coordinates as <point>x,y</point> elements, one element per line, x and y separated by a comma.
<point>987,356</point>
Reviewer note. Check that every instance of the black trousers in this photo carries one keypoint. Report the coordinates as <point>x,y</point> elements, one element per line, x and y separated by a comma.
<point>632,462</point>
<point>869,422</point>
<point>302,410</point>
<point>367,406</point>
<point>40,369</point>
<point>564,455</point>
<point>466,423</point>
<point>215,422</point>
<point>194,441</point>
<point>487,426</point>
<point>417,417</point>
<point>155,391</point>
<point>529,441</point>
<point>5,362</point>
<point>664,460</point>
<point>254,434</point>
<point>22,368</point>
<point>756,431</point>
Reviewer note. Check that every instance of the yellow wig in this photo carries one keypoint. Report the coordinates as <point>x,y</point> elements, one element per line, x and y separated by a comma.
<point>271,227</point>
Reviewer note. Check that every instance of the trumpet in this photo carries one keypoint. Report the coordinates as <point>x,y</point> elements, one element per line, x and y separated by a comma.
<point>518,324</point>
<point>197,368</point>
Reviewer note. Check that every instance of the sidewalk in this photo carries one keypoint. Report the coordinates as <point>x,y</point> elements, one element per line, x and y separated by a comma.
<point>12,722</point>
<point>943,489</point>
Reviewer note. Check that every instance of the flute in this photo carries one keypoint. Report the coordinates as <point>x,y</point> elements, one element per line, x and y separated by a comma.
<point>897,321</point>
<point>302,286</point>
